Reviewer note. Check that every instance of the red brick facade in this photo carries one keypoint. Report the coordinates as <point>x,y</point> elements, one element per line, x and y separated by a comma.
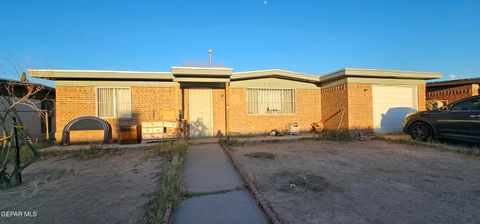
<point>360,106</point>
<point>73,102</point>
<point>334,107</point>
<point>451,94</point>
<point>345,106</point>
<point>148,104</point>
<point>308,111</point>
<point>349,106</point>
<point>422,101</point>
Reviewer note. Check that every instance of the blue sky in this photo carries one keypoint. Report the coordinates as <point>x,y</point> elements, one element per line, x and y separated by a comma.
<point>314,37</point>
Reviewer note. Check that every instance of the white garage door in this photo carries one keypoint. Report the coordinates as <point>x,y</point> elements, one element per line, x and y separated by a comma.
<point>390,106</point>
<point>200,112</point>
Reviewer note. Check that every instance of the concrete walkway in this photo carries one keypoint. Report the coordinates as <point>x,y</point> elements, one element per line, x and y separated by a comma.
<point>223,198</point>
<point>207,169</point>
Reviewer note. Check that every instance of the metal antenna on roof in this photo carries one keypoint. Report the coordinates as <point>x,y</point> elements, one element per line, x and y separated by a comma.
<point>210,57</point>
<point>452,76</point>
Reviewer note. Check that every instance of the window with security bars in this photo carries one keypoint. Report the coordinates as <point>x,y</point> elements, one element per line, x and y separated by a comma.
<point>114,102</point>
<point>265,101</point>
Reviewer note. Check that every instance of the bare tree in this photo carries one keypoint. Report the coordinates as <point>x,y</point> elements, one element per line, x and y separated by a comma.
<point>14,93</point>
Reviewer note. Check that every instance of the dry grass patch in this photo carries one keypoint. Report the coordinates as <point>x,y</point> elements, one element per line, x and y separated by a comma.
<point>261,155</point>
<point>171,187</point>
<point>364,182</point>
<point>461,148</point>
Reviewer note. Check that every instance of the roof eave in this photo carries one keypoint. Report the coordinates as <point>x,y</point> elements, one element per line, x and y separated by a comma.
<point>379,73</point>
<point>453,83</point>
<point>274,73</point>
<point>95,74</point>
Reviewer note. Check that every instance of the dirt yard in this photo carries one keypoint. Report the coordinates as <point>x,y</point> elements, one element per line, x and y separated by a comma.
<point>364,182</point>
<point>111,189</point>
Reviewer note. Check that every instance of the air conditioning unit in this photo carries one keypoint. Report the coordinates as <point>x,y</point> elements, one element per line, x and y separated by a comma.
<point>293,128</point>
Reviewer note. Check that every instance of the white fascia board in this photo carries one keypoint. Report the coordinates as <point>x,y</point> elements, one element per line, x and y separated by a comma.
<point>379,73</point>
<point>98,74</point>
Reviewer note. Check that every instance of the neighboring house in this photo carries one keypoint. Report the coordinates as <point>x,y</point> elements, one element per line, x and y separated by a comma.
<point>37,127</point>
<point>217,100</point>
<point>452,90</point>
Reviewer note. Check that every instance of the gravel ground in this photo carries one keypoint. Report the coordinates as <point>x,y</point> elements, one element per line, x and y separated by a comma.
<point>365,182</point>
<point>111,189</point>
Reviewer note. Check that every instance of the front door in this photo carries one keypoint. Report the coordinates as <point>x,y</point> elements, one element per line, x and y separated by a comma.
<point>200,112</point>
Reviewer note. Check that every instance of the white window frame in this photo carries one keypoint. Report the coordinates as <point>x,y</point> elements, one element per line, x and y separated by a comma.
<point>273,114</point>
<point>114,100</point>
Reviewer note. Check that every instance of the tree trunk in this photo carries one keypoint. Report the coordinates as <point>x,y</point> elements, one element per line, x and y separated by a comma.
<point>17,172</point>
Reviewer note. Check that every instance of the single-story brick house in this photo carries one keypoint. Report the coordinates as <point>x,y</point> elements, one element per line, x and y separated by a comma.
<point>452,90</point>
<point>217,100</point>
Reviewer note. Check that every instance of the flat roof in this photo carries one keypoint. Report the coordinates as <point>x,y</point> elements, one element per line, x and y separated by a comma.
<point>59,74</point>
<point>201,71</point>
<point>256,74</point>
<point>456,82</point>
<point>379,73</point>
<point>222,72</point>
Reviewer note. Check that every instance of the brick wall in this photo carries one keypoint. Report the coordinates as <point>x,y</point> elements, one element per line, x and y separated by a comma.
<point>360,108</point>
<point>87,136</point>
<point>334,107</point>
<point>163,104</point>
<point>308,110</point>
<point>73,102</point>
<point>421,94</point>
<point>148,104</point>
<point>154,103</point>
<point>218,101</point>
<point>358,97</point>
<point>452,94</point>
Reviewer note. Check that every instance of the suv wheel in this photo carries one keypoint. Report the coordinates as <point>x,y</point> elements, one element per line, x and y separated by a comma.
<point>421,132</point>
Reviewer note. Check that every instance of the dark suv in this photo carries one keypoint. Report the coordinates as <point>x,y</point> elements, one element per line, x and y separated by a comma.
<point>459,121</point>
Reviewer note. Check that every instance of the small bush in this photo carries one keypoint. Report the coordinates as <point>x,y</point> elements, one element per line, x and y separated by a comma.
<point>25,154</point>
<point>261,155</point>
<point>171,148</point>
<point>336,136</point>
<point>227,142</point>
